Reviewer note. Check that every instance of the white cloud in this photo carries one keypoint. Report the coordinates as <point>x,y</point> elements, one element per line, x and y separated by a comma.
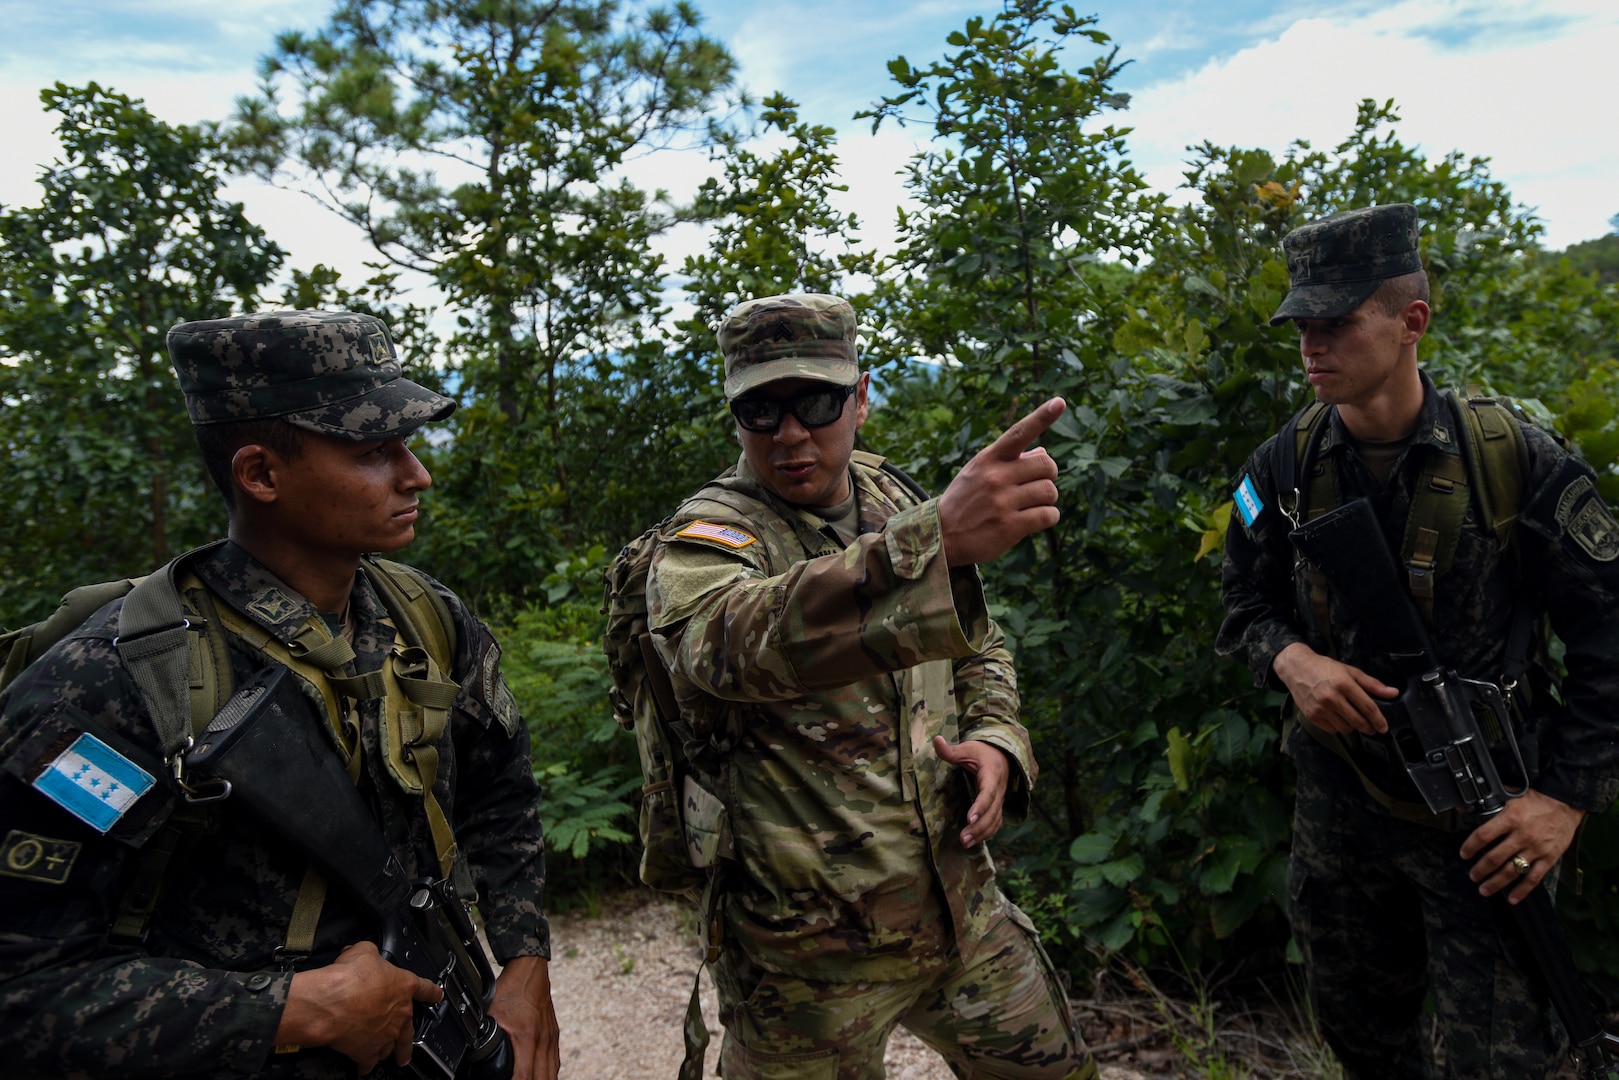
<point>1534,103</point>
<point>1532,88</point>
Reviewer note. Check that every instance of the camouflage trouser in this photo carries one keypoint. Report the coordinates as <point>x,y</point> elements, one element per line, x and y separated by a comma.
<point>1385,913</point>
<point>1004,1018</point>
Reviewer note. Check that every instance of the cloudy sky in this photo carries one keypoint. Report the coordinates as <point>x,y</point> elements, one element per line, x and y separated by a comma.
<point>1532,85</point>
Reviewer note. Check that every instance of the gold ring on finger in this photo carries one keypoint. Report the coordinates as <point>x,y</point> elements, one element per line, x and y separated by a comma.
<point>1521,864</point>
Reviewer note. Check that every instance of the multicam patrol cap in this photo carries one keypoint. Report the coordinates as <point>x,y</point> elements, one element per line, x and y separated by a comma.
<point>331,372</point>
<point>797,336</point>
<point>1336,264</point>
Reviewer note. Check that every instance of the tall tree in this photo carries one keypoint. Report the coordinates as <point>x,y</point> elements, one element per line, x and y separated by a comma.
<point>1025,186</point>
<point>1001,284</point>
<point>130,237</point>
<point>485,144</point>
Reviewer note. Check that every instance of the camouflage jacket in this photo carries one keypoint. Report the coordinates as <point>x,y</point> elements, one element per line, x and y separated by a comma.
<point>203,995</point>
<point>820,674</point>
<point>1567,568</point>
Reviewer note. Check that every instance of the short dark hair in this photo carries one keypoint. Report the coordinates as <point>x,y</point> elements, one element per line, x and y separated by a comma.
<point>1396,292</point>
<point>219,443</point>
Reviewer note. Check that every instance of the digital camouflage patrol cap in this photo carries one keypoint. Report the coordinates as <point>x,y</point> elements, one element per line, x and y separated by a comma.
<point>331,372</point>
<point>797,336</point>
<point>1337,263</point>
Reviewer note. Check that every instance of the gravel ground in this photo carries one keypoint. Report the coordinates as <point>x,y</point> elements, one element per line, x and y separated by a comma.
<point>621,981</point>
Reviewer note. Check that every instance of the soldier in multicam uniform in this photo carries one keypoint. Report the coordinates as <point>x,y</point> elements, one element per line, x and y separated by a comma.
<point>829,641</point>
<point>302,417</point>
<point>1388,904</point>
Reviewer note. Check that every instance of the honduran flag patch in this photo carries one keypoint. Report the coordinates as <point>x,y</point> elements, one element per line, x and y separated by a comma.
<point>93,782</point>
<point>722,534</point>
<point>1247,500</point>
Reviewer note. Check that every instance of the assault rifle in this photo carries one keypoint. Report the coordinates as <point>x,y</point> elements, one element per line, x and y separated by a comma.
<point>1445,727</point>
<point>263,750</point>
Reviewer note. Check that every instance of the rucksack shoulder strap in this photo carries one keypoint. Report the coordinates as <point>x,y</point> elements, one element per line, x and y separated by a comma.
<point>1296,445</point>
<point>423,615</point>
<point>1493,447</point>
<point>154,641</point>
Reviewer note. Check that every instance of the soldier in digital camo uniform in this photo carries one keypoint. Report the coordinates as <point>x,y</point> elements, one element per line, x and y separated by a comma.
<point>827,634</point>
<point>1387,904</point>
<point>302,418</point>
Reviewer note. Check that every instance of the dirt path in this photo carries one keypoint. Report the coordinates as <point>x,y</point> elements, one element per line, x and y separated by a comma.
<point>621,981</point>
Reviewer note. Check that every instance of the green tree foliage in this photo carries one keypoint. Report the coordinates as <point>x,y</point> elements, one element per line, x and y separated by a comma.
<point>130,237</point>
<point>1001,277</point>
<point>774,230</point>
<point>1023,190</point>
<point>485,144</point>
<point>1599,256</point>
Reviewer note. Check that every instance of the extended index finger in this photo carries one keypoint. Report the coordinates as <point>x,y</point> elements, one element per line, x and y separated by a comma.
<point>1026,430</point>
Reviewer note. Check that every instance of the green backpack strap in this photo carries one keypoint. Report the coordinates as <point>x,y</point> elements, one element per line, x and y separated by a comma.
<point>1493,446</point>
<point>155,640</point>
<point>1305,488</point>
<point>20,648</point>
<point>421,613</point>
<point>180,664</point>
<point>1488,471</point>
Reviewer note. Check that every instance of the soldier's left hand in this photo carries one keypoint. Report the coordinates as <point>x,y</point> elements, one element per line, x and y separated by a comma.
<point>522,1007</point>
<point>987,765</point>
<point>1536,828</point>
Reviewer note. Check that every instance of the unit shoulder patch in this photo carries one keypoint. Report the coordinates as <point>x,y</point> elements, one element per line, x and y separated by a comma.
<point>1594,529</point>
<point>729,535</point>
<point>37,858</point>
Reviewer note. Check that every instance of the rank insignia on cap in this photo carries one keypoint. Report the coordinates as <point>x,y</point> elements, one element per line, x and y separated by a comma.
<point>93,782</point>
<point>37,858</point>
<point>721,534</point>
<point>1247,500</point>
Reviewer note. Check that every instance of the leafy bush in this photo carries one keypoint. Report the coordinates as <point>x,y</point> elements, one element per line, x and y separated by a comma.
<point>585,763</point>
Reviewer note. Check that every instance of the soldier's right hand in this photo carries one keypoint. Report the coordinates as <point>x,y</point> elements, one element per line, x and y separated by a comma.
<point>360,1005</point>
<point>1334,696</point>
<point>1003,494</point>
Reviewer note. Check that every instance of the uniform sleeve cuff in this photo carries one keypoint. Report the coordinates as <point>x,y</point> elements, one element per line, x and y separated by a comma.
<point>1579,788</point>
<point>509,944</point>
<point>1015,807</point>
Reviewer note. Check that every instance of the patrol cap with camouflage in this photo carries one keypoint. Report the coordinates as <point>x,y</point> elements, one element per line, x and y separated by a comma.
<point>331,372</point>
<point>797,336</point>
<point>1337,263</point>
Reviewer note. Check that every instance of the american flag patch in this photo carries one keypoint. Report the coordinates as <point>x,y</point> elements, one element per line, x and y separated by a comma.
<point>722,534</point>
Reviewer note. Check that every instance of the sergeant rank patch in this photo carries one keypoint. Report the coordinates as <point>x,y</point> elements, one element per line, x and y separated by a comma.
<point>93,782</point>
<point>728,535</point>
<point>37,858</point>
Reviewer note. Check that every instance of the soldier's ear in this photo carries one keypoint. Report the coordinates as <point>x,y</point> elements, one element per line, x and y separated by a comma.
<point>1416,317</point>
<point>253,471</point>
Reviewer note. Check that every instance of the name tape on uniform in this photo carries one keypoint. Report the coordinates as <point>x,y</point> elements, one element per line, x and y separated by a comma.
<point>94,782</point>
<point>1247,500</point>
<point>728,535</point>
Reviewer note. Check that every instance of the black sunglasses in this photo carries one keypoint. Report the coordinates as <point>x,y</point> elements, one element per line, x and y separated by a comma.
<point>817,408</point>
